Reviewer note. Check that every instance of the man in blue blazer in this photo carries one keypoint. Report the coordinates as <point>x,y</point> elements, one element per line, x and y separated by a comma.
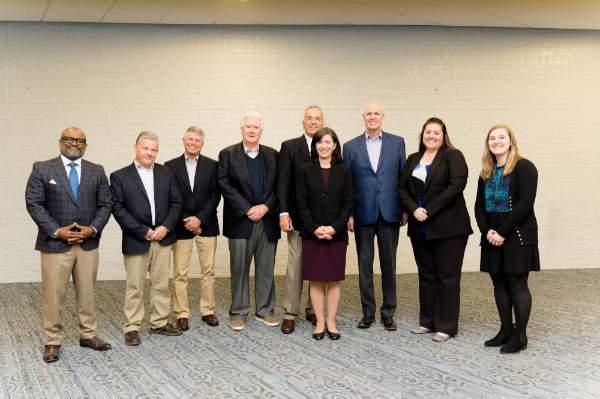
<point>376,159</point>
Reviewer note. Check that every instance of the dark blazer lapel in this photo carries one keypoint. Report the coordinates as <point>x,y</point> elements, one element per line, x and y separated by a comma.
<point>362,147</point>
<point>242,167</point>
<point>135,176</point>
<point>182,169</point>
<point>197,176</point>
<point>60,171</point>
<point>270,170</point>
<point>85,177</point>
<point>317,175</point>
<point>384,140</point>
<point>304,148</point>
<point>434,167</point>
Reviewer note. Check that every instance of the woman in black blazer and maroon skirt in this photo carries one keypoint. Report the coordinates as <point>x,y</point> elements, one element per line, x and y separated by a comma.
<point>509,233</point>
<point>324,201</point>
<point>432,187</point>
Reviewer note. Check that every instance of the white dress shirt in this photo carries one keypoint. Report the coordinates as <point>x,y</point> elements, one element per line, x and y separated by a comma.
<point>147,176</point>
<point>190,165</point>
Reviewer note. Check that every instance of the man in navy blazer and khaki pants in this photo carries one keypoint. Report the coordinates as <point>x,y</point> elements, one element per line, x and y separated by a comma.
<point>376,159</point>
<point>69,200</point>
<point>146,204</point>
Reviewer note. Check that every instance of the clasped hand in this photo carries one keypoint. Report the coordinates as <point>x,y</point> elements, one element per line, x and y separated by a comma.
<point>420,214</point>
<point>156,234</point>
<point>75,233</point>
<point>494,238</point>
<point>192,223</point>
<point>324,232</point>
<point>257,212</point>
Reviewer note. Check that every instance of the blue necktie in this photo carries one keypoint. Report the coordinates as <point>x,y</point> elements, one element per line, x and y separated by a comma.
<point>74,180</point>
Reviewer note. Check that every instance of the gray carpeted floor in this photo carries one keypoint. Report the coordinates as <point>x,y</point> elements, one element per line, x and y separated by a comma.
<point>562,360</point>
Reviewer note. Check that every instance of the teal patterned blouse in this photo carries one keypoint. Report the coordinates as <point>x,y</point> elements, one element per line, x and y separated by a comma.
<point>497,192</point>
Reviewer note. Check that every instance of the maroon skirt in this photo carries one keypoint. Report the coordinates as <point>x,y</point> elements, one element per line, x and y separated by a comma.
<point>323,260</point>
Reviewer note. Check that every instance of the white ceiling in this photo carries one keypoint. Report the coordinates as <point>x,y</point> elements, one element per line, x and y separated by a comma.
<point>560,14</point>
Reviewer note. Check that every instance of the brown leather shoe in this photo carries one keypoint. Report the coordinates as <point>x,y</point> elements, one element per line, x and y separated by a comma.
<point>168,329</point>
<point>95,343</point>
<point>312,318</point>
<point>183,323</point>
<point>288,326</point>
<point>51,353</point>
<point>132,338</point>
<point>211,320</point>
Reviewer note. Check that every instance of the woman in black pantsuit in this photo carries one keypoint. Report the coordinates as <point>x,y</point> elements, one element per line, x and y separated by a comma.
<point>509,233</point>
<point>432,187</point>
<point>324,201</point>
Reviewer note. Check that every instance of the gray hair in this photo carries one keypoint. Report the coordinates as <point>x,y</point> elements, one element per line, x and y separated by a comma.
<point>145,135</point>
<point>252,115</point>
<point>378,104</point>
<point>195,129</point>
<point>313,107</point>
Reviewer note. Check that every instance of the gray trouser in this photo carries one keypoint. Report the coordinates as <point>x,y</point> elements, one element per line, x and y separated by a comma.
<point>241,252</point>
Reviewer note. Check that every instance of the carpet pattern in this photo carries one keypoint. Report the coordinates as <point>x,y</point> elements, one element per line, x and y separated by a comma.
<point>562,359</point>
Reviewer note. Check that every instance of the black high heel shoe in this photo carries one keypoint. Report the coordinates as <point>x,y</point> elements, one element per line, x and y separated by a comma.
<point>334,336</point>
<point>319,335</point>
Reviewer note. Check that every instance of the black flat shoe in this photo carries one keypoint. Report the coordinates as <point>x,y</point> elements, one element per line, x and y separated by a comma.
<point>501,338</point>
<point>516,343</point>
<point>333,335</point>
<point>319,336</point>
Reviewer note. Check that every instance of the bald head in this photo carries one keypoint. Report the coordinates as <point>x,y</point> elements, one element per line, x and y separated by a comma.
<point>72,143</point>
<point>373,118</point>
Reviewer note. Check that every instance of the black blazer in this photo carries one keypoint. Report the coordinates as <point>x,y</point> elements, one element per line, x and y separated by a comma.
<point>324,206</point>
<point>131,206</point>
<point>293,155</point>
<point>443,195</point>
<point>51,203</point>
<point>203,201</point>
<point>234,181</point>
<point>521,220</point>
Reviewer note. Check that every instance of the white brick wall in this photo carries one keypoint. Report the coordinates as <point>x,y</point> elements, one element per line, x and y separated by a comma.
<point>116,80</point>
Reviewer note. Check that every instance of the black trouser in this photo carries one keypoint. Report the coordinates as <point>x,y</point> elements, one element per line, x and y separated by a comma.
<point>512,293</point>
<point>387,244</point>
<point>439,263</point>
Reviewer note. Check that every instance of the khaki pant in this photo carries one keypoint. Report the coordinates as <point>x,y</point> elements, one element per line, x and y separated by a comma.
<point>156,261</point>
<point>292,292</point>
<point>57,269</point>
<point>182,256</point>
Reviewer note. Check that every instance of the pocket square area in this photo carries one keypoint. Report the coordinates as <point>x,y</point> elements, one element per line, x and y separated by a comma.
<point>52,181</point>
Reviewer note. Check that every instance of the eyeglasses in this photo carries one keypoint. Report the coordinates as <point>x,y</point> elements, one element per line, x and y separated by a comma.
<point>73,140</point>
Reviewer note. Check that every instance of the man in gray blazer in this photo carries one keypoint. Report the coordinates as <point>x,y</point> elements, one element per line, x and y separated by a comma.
<point>70,201</point>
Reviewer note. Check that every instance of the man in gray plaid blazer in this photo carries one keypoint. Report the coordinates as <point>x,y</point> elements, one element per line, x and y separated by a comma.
<point>70,201</point>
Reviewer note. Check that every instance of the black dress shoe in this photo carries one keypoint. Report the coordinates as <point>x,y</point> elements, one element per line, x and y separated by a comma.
<point>95,343</point>
<point>132,338</point>
<point>366,322</point>
<point>501,338</point>
<point>168,329</point>
<point>51,353</point>
<point>319,336</point>
<point>183,323</point>
<point>333,335</point>
<point>211,320</point>
<point>389,324</point>
<point>516,343</point>
<point>312,318</point>
<point>288,326</point>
